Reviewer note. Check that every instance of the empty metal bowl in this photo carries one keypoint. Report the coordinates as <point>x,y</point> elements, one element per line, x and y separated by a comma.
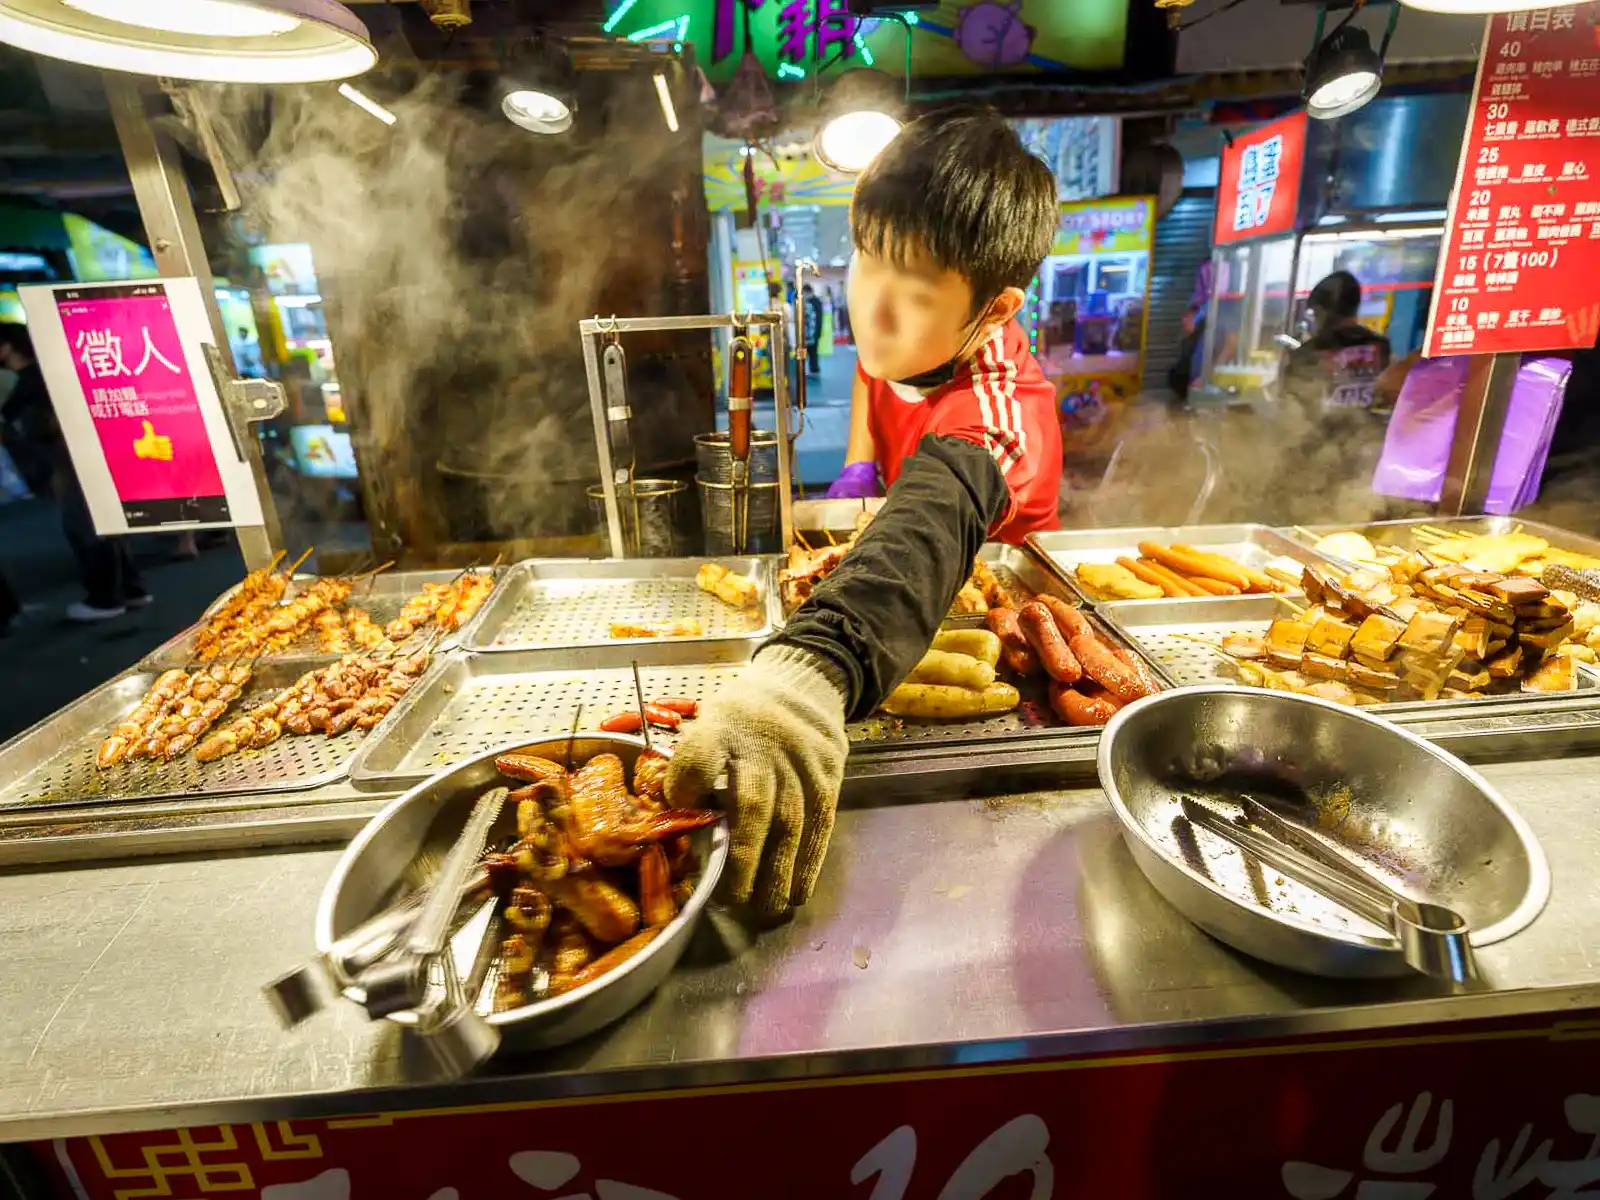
<point>402,847</point>
<point>1406,811</point>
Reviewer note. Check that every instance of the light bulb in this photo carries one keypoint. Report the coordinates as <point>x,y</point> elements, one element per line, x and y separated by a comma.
<point>194,18</point>
<point>1342,90</point>
<point>538,112</point>
<point>852,140</point>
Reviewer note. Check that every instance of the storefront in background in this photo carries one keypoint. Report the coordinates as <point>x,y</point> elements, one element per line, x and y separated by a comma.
<point>1088,310</point>
<point>1282,226</point>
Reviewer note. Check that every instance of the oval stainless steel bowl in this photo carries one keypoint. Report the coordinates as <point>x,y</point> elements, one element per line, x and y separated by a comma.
<point>1419,818</point>
<point>402,847</point>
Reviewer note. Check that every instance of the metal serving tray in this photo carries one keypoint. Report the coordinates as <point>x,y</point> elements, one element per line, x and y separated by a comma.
<point>1403,534</point>
<point>1169,634</point>
<point>1251,545</point>
<point>53,764</point>
<point>468,704</point>
<point>381,595</point>
<point>549,602</point>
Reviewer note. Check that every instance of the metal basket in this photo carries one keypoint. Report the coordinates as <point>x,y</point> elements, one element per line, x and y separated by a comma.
<point>760,520</point>
<point>715,462</point>
<point>649,513</point>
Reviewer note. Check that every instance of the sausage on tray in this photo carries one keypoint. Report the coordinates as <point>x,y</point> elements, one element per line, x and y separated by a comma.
<point>1103,666</point>
<point>1095,706</point>
<point>681,705</point>
<point>1135,664</point>
<point>1044,635</point>
<point>1014,649</point>
<point>1069,620</point>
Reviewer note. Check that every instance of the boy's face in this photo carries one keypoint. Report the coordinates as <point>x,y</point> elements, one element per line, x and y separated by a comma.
<point>907,320</point>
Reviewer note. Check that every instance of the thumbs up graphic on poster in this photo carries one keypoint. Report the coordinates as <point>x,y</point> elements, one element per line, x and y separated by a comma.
<point>151,444</point>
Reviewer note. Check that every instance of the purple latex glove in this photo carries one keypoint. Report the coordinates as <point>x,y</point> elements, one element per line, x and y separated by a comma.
<point>858,479</point>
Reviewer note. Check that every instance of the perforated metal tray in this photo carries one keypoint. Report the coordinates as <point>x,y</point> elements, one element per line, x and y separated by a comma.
<point>1251,545</point>
<point>473,702</point>
<point>53,763</point>
<point>381,595</point>
<point>1404,534</point>
<point>1175,636</point>
<point>552,602</point>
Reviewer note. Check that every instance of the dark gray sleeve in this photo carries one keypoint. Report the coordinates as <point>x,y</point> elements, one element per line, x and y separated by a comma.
<point>875,616</point>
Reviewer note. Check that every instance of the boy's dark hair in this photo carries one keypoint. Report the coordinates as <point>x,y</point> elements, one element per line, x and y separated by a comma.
<point>18,338</point>
<point>963,189</point>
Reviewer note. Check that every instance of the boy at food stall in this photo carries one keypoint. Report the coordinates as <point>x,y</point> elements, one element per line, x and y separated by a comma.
<point>950,224</point>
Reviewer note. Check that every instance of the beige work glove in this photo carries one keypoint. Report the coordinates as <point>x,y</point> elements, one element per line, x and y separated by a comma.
<point>778,735</point>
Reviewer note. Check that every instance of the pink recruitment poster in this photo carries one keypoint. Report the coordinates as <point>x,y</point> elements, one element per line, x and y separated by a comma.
<point>125,348</point>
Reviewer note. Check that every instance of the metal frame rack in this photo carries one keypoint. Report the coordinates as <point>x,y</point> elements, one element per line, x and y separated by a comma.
<point>594,329</point>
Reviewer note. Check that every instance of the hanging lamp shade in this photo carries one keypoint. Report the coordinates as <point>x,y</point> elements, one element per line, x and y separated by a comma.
<point>222,41</point>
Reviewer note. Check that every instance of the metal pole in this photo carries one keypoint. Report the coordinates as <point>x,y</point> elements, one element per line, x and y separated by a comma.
<point>165,206</point>
<point>602,441</point>
<point>780,416</point>
<point>1485,401</point>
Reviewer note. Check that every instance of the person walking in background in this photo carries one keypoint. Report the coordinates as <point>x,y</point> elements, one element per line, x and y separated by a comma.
<point>111,581</point>
<point>813,330</point>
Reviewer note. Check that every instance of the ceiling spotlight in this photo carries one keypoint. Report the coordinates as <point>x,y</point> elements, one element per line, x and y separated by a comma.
<point>1344,72</point>
<point>222,41</point>
<point>859,118</point>
<point>537,90</point>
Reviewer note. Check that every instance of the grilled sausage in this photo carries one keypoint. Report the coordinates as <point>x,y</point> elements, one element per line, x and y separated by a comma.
<point>1094,707</point>
<point>1015,652</point>
<point>1044,635</point>
<point>1069,620</point>
<point>1106,669</point>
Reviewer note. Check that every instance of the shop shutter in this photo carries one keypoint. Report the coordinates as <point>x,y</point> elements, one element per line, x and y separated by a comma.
<point>1183,242</point>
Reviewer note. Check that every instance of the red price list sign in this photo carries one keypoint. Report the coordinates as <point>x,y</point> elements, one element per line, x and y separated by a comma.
<point>1521,267</point>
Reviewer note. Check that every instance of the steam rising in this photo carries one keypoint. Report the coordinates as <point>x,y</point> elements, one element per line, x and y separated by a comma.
<point>457,253</point>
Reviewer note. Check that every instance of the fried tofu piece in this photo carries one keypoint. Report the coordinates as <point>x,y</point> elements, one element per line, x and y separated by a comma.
<point>1323,666</point>
<point>1330,636</point>
<point>1377,637</point>
<point>1429,632</point>
<point>1558,673</point>
<point>1472,639</point>
<point>1507,665</point>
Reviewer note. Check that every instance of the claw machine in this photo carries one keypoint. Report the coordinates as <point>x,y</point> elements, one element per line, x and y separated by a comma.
<point>1087,315</point>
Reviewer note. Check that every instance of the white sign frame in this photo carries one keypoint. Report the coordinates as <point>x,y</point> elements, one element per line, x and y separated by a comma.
<point>187,302</point>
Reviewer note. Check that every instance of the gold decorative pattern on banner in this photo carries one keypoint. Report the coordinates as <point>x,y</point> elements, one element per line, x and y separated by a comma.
<point>294,1145</point>
<point>159,1169</point>
<point>374,1121</point>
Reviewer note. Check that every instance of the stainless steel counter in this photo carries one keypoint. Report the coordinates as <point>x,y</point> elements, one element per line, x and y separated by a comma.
<point>945,931</point>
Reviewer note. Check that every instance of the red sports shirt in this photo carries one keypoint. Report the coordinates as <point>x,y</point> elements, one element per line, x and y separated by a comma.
<point>1000,400</point>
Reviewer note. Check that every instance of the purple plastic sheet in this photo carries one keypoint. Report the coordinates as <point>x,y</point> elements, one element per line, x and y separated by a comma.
<point>1416,448</point>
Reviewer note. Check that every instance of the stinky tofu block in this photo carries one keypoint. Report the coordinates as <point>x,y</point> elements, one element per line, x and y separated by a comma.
<point>1506,665</point>
<point>1287,634</point>
<point>1546,610</point>
<point>1323,666</point>
<point>1377,637</point>
<point>1519,590</point>
<point>1330,636</point>
<point>1314,583</point>
<point>1546,639</point>
<point>1558,673</point>
<point>1429,633</point>
<point>1378,680</point>
<point>1472,639</point>
<point>1468,681</point>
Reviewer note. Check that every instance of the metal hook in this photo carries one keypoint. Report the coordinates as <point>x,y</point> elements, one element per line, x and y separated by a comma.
<point>609,327</point>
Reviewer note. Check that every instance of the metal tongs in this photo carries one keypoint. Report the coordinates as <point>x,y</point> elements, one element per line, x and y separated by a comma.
<point>1433,938</point>
<point>619,423</point>
<point>404,958</point>
<point>740,394</point>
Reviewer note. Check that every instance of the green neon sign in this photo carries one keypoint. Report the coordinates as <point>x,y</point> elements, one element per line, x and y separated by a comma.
<point>794,38</point>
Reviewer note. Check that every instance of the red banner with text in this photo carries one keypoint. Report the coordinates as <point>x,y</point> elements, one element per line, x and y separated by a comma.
<point>1494,1111</point>
<point>1521,260</point>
